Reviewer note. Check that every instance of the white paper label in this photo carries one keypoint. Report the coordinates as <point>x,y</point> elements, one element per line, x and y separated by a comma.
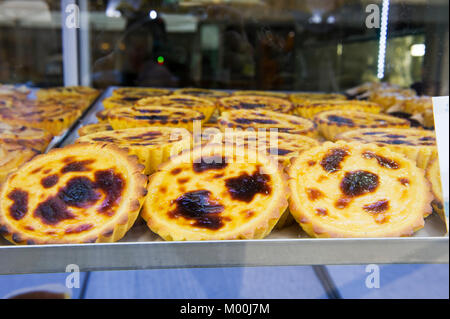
<point>441,119</point>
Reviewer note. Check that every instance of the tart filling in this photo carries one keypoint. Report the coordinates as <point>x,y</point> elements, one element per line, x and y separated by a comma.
<point>212,193</point>
<point>335,122</point>
<point>204,106</point>
<point>84,92</point>
<point>82,193</point>
<point>418,145</point>
<point>262,119</point>
<point>358,190</point>
<point>94,128</point>
<point>12,155</point>
<point>252,102</point>
<point>309,109</point>
<point>145,116</point>
<point>122,101</point>
<point>152,145</point>
<point>26,136</point>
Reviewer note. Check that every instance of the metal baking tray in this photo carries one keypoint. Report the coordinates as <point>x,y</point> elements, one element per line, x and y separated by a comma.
<point>142,249</point>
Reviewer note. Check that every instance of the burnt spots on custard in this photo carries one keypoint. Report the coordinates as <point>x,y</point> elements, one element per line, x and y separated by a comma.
<point>249,106</point>
<point>340,120</point>
<point>149,111</point>
<point>112,185</point>
<point>49,181</point>
<point>257,121</point>
<point>210,163</point>
<point>404,181</point>
<point>311,163</point>
<point>245,187</point>
<point>373,133</point>
<point>358,183</point>
<point>378,210</point>
<point>37,170</point>
<point>382,161</point>
<point>321,212</point>
<point>176,171</point>
<point>378,207</point>
<point>104,139</point>
<point>395,136</point>
<point>199,206</point>
<point>427,138</point>
<point>77,166</point>
<point>332,160</point>
<point>53,211</point>
<point>313,194</point>
<point>396,142</point>
<point>278,151</point>
<point>78,229</point>
<point>19,207</point>
<point>152,117</point>
<point>183,180</point>
<point>342,203</point>
<point>145,136</point>
<point>79,192</point>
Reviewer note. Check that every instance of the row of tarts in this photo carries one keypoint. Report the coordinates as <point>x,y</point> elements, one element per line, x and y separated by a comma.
<point>202,165</point>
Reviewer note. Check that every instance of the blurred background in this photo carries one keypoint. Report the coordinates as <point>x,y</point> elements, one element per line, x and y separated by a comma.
<point>301,45</point>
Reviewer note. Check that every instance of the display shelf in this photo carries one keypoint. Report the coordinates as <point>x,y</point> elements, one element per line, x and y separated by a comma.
<point>142,249</point>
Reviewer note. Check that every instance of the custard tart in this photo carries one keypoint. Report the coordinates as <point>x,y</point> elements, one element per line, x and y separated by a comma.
<point>335,122</point>
<point>262,119</point>
<point>26,136</point>
<point>216,193</point>
<point>69,91</point>
<point>310,109</point>
<point>204,106</point>
<point>145,116</point>
<point>212,95</point>
<point>416,144</point>
<point>12,156</point>
<point>152,145</point>
<point>253,102</point>
<point>279,95</point>
<point>358,190</point>
<point>94,128</point>
<point>83,193</point>
<point>141,93</point>
<point>434,176</point>
<point>53,119</point>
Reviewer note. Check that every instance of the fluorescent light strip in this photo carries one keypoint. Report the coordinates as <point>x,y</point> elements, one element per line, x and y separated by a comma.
<point>383,39</point>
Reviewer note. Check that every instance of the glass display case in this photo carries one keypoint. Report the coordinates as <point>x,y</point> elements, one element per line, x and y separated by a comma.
<point>74,69</point>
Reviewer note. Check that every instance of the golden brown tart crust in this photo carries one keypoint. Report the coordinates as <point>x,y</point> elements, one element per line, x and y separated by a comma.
<point>211,193</point>
<point>83,193</point>
<point>252,102</point>
<point>358,190</point>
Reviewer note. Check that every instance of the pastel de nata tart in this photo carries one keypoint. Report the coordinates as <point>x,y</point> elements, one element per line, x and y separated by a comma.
<point>83,193</point>
<point>301,98</point>
<point>280,146</point>
<point>310,109</point>
<point>119,101</point>
<point>69,91</point>
<point>262,119</point>
<point>417,104</point>
<point>358,190</point>
<point>204,106</point>
<point>434,176</point>
<point>212,95</point>
<point>416,144</point>
<point>53,119</point>
<point>15,91</point>
<point>141,93</point>
<point>152,145</point>
<point>262,93</point>
<point>216,193</point>
<point>334,122</point>
<point>94,128</point>
<point>145,116</point>
<point>254,102</point>
<point>24,135</point>
<point>13,155</point>
<point>387,97</point>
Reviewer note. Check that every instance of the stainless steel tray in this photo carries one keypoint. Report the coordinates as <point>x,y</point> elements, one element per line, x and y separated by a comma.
<point>142,249</point>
